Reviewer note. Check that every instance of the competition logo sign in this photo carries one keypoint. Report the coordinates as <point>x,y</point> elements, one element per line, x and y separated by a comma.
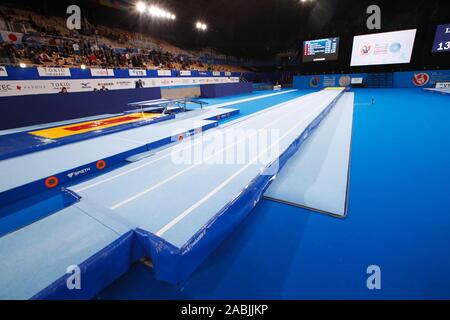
<point>421,79</point>
<point>314,82</point>
<point>365,50</point>
<point>345,81</point>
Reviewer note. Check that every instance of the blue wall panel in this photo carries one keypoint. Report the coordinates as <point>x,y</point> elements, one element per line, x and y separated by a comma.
<point>225,89</point>
<point>23,111</point>
<point>411,79</point>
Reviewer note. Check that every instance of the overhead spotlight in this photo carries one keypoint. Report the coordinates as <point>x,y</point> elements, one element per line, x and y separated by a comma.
<point>201,26</point>
<point>154,11</point>
<point>141,7</point>
<point>22,65</point>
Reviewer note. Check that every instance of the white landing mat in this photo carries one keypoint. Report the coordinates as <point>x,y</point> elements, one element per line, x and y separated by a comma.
<point>317,177</point>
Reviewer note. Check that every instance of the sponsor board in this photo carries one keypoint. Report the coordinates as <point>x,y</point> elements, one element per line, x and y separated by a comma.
<point>185,73</point>
<point>102,72</point>
<point>86,85</point>
<point>164,73</point>
<point>443,85</point>
<point>124,84</point>
<point>78,173</point>
<point>3,72</point>
<point>329,81</point>
<point>54,72</point>
<point>5,88</point>
<point>216,73</point>
<point>29,87</point>
<point>137,73</point>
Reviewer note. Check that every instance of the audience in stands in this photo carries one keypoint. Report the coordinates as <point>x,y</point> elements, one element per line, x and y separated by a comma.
<point>54,45</point>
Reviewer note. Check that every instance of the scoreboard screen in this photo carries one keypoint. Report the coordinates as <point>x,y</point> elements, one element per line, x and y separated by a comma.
<point>321,50</point>
<point>442,39</point>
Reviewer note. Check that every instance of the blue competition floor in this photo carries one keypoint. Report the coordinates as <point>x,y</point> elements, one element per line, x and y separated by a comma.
<point>399,219</point>
<point>251,107</point>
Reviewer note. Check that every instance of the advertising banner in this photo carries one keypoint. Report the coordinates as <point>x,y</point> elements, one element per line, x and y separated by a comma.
<point>54,72</point>
<point>102,72</point>
<point>28,87</point>
<point>137,72</point>
<point>164,73</point>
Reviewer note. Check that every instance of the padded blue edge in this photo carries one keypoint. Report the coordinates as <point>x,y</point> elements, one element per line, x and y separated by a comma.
<point>38,186</point>
<point>175,265</point>
<point>225,115</point>
<point>10,222</point>
<point>97,272</point>
<point>80,137</point>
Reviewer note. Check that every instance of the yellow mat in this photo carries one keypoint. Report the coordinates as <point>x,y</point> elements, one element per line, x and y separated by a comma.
<point>89,126</point>
<point>334,88</point>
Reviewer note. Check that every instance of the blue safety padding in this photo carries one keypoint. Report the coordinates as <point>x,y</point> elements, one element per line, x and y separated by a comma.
<point>20,214</point>
<point>19,144</point>
<point>226,115</point>
<point>97,272</point>
<point>91,169</point>
<point>39,186</point>
<point>174,265</point>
